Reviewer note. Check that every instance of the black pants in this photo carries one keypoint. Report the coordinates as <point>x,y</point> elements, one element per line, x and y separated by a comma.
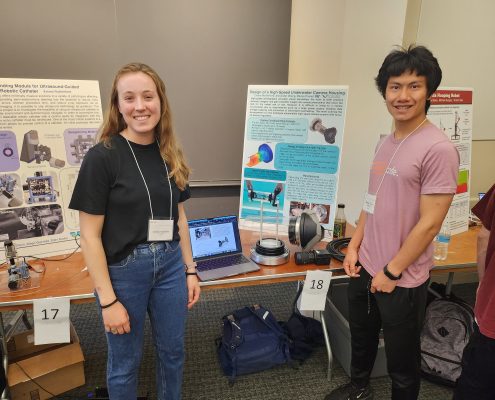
<point>400,314</point>
<point>477,380</point>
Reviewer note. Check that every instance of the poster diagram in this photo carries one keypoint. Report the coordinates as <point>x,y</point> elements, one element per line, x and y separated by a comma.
<point>46,128</point>
<point>452,111</point>
<point>292,151</point>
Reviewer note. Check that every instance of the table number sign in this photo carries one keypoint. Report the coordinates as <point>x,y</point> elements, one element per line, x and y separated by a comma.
<point>315,290</point>
<point>51,320</point>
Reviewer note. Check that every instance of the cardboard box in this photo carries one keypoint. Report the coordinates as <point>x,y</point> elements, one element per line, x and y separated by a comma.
<point>55,367</point>
<point>337,321</point>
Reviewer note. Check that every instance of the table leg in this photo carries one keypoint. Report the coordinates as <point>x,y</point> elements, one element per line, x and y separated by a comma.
<point>5,358</point>
<point>327,345</point>
<point>448,285</point>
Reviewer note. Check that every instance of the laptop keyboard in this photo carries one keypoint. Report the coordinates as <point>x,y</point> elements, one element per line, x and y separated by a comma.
<point>221,262</point>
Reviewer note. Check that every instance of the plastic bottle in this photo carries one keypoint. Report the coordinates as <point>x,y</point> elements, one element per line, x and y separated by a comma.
<point>339,223</point>
<point>441,243</point>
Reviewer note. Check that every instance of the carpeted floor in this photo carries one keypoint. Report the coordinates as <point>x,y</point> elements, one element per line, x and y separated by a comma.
<point>203,379</point>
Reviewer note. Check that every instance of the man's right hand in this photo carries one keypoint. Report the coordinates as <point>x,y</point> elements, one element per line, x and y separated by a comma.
<point>350,261</point>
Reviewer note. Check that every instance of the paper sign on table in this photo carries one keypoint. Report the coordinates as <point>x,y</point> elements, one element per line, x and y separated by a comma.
<point>51,320</point>
<point>315,290</point>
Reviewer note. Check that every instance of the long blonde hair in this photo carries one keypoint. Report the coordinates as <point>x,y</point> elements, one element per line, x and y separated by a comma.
<point>113,124</point>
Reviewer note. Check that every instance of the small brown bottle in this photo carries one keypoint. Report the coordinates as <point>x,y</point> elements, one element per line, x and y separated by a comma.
<point>340,222</point>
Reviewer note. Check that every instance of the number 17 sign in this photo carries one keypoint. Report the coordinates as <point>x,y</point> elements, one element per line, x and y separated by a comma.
<point>51,320</point>
<point>315,290</point>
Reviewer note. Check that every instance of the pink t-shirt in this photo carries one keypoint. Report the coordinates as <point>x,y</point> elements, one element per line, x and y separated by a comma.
<point>426,163</point>
<point>485,298</point>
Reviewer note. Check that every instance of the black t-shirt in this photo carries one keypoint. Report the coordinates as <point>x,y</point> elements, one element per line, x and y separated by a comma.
<point>110,184</point>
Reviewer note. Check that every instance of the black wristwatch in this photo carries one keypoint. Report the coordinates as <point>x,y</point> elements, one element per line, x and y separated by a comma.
<point>389,274</point>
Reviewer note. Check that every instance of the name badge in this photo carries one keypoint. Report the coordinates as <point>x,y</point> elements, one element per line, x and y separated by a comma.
<point>160,230</point>
<point>369,203</point>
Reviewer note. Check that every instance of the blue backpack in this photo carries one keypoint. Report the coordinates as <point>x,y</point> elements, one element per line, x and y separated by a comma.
<point>252,341</point>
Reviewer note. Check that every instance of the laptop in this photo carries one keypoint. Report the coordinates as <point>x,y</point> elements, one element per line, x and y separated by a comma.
<point>216,248</point>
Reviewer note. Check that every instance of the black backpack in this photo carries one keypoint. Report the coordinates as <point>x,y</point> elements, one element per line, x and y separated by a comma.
<point>446,331</point>
<point>305,333</point>
<point>251,341</point>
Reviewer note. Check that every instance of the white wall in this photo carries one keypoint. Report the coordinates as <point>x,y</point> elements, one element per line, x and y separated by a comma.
<point>345,42</point>
<point>317,28</point>
<point>462,35</point>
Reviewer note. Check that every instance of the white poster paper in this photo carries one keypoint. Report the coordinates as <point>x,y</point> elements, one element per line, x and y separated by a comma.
<point>452,111</point>
<point>314,294</point>
<point>292,152</point>
<point>51,320</point>
<point>46,128</point>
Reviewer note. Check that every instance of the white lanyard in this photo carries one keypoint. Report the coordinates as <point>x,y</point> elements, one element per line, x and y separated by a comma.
<point>144,180</point>
<point>393,155</point>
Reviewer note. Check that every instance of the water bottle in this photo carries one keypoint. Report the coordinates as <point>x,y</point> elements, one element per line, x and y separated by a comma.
<point>339,223</point>
<point>441,243</point>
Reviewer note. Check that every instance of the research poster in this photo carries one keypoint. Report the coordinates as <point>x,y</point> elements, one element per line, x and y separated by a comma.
<point>452,111</point>
<point>46,128</point>
<point>292,152</point>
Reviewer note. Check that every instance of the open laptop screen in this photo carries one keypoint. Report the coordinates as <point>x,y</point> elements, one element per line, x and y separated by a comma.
<point>214,236</point>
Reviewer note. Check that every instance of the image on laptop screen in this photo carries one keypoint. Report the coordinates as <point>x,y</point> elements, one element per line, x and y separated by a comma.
<point>214,236</point>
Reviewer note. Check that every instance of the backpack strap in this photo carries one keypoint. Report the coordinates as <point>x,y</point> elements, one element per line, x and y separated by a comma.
<point>236,333</point>
<point>262,314</point>
<point>298,294</point>
<point>233,342</point>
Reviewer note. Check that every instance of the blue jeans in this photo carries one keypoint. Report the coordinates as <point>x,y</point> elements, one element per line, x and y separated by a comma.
<point>151,279</point>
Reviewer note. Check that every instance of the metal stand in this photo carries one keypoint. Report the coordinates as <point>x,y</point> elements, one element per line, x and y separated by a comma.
<point>327,345</point>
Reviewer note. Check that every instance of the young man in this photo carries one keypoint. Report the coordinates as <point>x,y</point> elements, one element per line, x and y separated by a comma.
<point>412,181</point>
<point>477,380</point>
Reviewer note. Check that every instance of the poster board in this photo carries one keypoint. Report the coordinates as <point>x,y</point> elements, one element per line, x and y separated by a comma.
<point>452,111</point>
<point>292,152</point>
<point>46,128</point>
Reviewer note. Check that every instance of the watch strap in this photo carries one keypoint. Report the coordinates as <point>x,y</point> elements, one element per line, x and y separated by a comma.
<point>389,275</point>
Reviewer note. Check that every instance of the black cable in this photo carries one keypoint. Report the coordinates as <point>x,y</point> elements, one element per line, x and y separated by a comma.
<point>335,246</point>
<point>36,383</point>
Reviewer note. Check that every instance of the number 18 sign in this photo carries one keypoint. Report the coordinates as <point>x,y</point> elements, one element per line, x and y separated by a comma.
<point>315,290</point>
<point>51,320</point>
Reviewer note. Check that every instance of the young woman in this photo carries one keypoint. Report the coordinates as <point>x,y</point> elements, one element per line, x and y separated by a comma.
<point>134,236</point>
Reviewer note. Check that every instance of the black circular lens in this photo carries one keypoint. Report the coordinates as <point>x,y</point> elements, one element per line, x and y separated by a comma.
<point>304,257</point>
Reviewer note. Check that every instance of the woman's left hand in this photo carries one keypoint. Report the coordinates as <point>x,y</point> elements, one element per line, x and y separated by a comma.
<point>193,290</point>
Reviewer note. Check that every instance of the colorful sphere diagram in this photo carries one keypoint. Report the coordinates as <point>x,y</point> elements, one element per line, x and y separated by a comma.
<point>264,154</point>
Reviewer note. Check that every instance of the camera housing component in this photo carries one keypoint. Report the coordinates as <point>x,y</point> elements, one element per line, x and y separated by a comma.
<point>328,133</point>
<point>318,257</point>
<point>270,251</point>
<point>264,154</point>
<point>266,196</point>
<point>305,230</point>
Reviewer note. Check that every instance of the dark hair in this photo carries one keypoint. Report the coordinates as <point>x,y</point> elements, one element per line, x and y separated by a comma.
<point>417,59</point>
